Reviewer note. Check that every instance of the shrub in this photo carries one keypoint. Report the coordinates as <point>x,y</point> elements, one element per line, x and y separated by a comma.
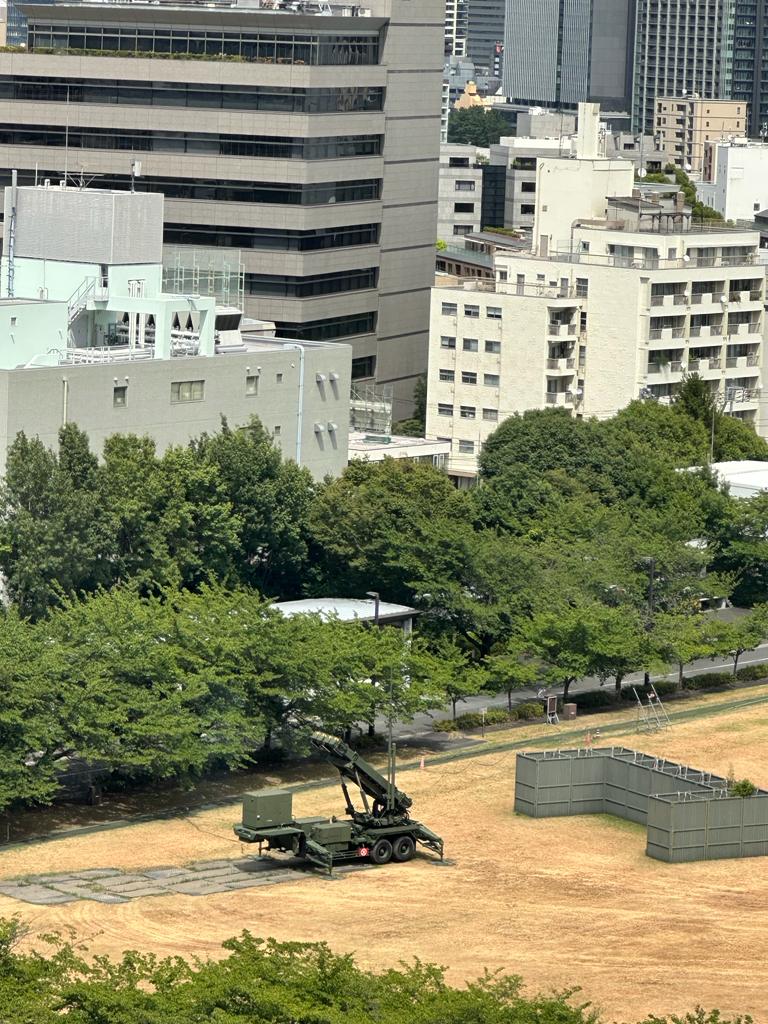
<point>531,710</point>
<point>664,687</point>
<point>751,672</point>
<point>446,725</point>
<point>708,680</point>
<point>494,716</point>
<point>592,699</point>
<point>742,788</point>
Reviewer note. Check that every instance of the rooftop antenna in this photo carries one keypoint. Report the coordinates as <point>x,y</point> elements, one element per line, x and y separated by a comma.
<point>135,173</point>
<point>12,235</point>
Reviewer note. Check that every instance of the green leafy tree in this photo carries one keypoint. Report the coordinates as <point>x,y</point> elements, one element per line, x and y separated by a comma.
<point>680,638</point>
<point>511,669</point>
<point>476,126</point>
<point>455,673</point>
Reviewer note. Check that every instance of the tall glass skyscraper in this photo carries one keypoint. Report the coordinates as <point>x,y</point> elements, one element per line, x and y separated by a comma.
<point>562,52</point>
<point>747,72</point>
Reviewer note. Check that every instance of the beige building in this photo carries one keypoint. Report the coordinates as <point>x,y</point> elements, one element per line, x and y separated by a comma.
<point>606,307</point>
<point>303,137</point>
<point>684,125</point>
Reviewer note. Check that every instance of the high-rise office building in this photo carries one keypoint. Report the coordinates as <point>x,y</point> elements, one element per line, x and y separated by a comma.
<point>563,52</point>
<point>305,140</point>
<point>748,43</point>
<point>682,47</point>
<point>485,34</point>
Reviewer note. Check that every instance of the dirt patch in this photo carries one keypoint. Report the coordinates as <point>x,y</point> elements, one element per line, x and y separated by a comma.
<point>559,901</point>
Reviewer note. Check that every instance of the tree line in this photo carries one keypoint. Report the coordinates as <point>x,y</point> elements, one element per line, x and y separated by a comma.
<point>267,982</point>
<point>139,634</point>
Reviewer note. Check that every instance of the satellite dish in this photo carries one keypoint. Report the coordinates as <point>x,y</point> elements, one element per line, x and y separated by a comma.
<point>688,167</point>
<point>686,258</point>
<point>723,298</point>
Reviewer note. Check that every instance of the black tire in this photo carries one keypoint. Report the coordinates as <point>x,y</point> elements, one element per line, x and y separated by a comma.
<point>381,852</point>
<point>403,849</point>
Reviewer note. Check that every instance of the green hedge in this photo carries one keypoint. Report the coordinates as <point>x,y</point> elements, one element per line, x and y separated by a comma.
<point>493,716</point>
<point>592,699</point>
<point>664,687</point>
<point>752,672</point>
<point>708,680</point>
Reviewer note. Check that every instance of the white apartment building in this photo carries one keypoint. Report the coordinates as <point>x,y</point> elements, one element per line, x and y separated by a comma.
<point>460,196</point>
<point>618,297</point>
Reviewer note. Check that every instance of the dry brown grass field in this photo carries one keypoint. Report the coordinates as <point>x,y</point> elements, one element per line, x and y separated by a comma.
<point>559,901</point>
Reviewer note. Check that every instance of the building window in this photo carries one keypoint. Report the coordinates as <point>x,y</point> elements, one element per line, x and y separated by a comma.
<point>491,380</point>
<point>444,410</point>
<point>493,347</point>
<point>364,366</point>
<point>465,186</point>
<point>450,309</point>
<point>458,161</point>
<point>446,342</point>
<point>528,186</point>
<point>278,378</point>
<point>470,345</point>
<point>447,376</point>
<point>252,384</point>
<point>120,396</point>
<point>493,312</point>
<point>463,207</point>
<point>472,311</point>
<point>503,275</point>
<point>13,321</point>
<point>187,390</point>
<point>491,415</point>
<point>468,378</point>
<point>466,447</point>
<point>462,229</point>
<point>468,412</point>
<point>276,431</point>
<point>582,287</point>
<point>527,209</point>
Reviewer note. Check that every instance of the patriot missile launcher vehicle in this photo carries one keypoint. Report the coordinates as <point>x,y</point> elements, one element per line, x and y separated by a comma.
<point>381,831</point>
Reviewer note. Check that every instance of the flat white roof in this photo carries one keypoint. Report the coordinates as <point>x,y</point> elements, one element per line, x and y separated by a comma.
<point>348,609</point>
<point>394,446</point>
<point>745,478</point>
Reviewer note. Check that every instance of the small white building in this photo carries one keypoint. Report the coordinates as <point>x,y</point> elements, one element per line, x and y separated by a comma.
<point>377,447</point>
<point>737,173</point>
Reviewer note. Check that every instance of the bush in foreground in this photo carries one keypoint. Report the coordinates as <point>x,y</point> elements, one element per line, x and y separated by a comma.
<point>266,982</point>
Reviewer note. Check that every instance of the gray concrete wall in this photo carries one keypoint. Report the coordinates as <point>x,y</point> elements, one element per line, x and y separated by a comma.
<point>38,401</point>
<point>411,72</point>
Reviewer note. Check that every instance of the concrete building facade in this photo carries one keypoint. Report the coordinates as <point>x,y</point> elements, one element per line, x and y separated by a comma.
<point>485,34</point>
<point>684,125</point>
<point>309,143</point>
<point>460,198</point>
<point>748,42</point>
<point>87,335</point>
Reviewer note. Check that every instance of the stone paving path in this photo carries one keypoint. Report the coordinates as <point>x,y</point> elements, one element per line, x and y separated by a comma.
<point>108,885</point>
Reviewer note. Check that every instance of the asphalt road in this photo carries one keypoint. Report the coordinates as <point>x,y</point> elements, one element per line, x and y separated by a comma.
<point>422,724</point>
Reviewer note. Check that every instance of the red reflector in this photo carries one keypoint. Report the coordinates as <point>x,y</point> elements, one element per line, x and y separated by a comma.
<point>363,851</point>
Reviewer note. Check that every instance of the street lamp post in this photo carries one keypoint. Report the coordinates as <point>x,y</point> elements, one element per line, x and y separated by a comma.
<point>376,605</point>
<point>649,625</point>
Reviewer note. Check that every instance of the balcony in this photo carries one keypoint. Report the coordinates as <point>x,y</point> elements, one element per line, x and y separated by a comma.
<point>667,369</point>
<point>670,301</point>
<point>560,330</point>
<point>564,366</point>
<point>745,330</point>
<point>561,398</point>
<point>666,333</point>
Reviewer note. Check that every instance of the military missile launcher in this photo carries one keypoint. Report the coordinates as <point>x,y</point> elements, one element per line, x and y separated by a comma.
<point>379,832</point>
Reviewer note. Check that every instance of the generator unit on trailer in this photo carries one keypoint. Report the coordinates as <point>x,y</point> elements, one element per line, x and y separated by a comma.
<point>381,831</point>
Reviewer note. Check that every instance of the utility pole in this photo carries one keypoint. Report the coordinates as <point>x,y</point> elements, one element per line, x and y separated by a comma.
<point>651,596</point>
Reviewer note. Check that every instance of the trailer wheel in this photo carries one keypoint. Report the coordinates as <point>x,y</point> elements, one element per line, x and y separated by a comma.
<point>404,849</point>
<point>381,852</point>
